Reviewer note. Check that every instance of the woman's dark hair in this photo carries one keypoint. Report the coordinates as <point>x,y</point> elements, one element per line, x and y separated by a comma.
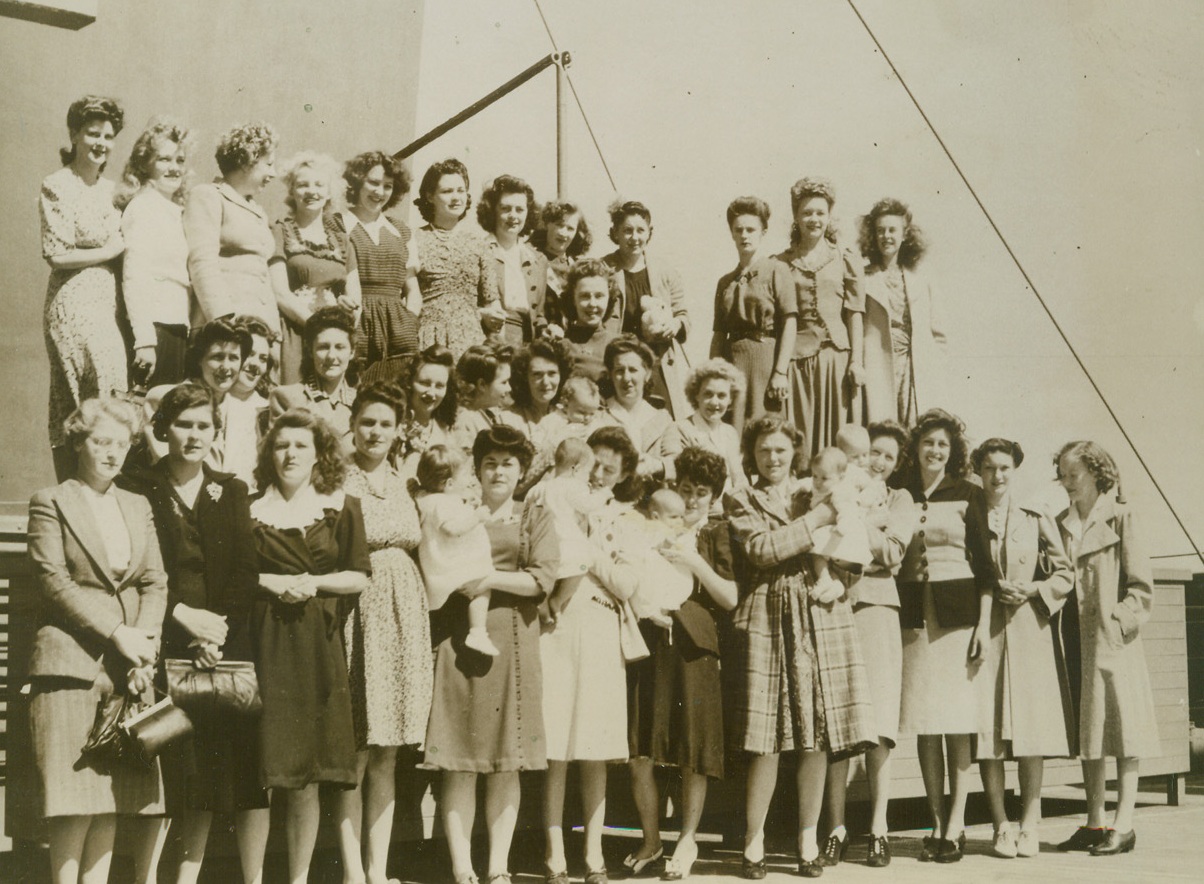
<point>491,196</point>
<point>556,210</point>
<point>1098,462</point>
<point>765,426</point>
<point>385,393</point>
<point>913,245</point>
<point>331,467</point>
<point>629,488</point>
<point>620,212</point>
<point>701,467</point>
<point>480,363</point>
<point>588,268</point>
<point>435,354</point>
<point>748,205</point>
<point>996,446</point>
<point>319,321</point>
<point>217,331</point>
<point>180,399</point>
<point>541,348</point>
<point>83,111</point>
<point>430,183</point>
<point>803,190</point>
<point>243,146</point>
<point>892,430</point>
<point>502,439</point>
<point>356,171</point>
<point>626,343</point>
<point>929,421</point>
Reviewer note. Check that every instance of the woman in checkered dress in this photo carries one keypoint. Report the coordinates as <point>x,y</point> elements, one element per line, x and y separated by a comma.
<point>802,682</point>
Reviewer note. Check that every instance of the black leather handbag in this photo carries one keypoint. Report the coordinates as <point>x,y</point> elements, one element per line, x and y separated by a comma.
<point>230,687</point>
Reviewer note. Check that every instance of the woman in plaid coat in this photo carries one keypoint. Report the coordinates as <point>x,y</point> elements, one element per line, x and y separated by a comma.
<point>803,685</point>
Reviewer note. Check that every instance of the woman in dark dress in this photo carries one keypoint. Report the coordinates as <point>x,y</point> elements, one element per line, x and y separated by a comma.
<point>674,699</point>
<point>487,715</point>
<point>591,298</point>
<point>203,519</point>
<point>313,553</point>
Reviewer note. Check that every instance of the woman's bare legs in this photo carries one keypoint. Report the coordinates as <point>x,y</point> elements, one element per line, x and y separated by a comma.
<point>1032,772</point>
<point>931,749</point>
<point>553,815</point>
<point>693,798</point>
<point>251,828</point>
<point>502,795</point>
<point>762,778</point>
<point>1126,797</point>
<point>593,810</point>
<point>647,805</point>
<point>458,810</point>
<point>150,834</point>
<point>1093,785</point>
<point>835,792</point>
<point>192,831</point>
<point>81,848</point>
<point>371,801</point>
<point>304,814</point>
<point>812,771</point>
<point>991,771</point>
<point>877,769</point>
<point>957,748</point>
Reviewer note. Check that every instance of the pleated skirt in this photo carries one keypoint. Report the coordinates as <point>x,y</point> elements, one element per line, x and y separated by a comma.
<point>818,403</point>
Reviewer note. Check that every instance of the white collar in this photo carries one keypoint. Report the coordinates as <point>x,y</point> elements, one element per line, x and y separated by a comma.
<point>373,227</point>
<point>306,507</point>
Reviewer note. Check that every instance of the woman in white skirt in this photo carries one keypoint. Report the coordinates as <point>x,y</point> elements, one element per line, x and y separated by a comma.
<point>946,584</point>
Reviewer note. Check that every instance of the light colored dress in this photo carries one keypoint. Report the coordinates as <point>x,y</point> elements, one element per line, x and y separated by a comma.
<point>83,337</point>
<point>456,276</point>
<point>388,635</point>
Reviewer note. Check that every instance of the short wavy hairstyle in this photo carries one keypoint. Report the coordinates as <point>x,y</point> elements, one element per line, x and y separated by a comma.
<point>911,249</point>
<point>430,183</point>
<point>701,467</point>
<point>890,429</point>
<point>553,351</point>
<point>996,445</point>
<point>254,326</point>
<point>748,205</point>
<point>480,363</point>
<point>502,439</point>
<point>928,422</point>
<point>491,197</point>
<point>1098,462</point>
<point>319,321</point>
<point>83,111</point>
<point>217,331</point>
<point>357,169</point>
<point>180,399</point>
<point>244,146</point>
<point>436,354</point>
<point>621,211</point>
<point>766,426</point>
<point>625,343</point>
<point>292,168</point>
<point>589,268</point>
<point>709,371</point>
<point>803,190</point>
<point>330,470</point>
<point>387,393</point>
<point>557,210</point>
<point>616,439</point>
<point>81,422</point>
<point>140,165</point>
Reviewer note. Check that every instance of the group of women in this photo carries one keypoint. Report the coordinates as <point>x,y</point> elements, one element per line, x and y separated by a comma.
<point>255,506</point>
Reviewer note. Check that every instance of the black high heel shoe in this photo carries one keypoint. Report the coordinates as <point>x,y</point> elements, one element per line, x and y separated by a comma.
<point>1116,843</point>
<point>879,852</point>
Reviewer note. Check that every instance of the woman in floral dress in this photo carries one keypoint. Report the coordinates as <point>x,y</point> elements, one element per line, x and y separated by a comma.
<point>455,272</point>
<point>81,241</point>
<point>387,636</point>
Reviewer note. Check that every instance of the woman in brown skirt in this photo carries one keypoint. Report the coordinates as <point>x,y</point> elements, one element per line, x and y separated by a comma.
<point>804,683</point>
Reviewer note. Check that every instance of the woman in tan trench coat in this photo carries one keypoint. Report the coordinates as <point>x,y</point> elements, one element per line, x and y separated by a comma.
<point>1104,654</point>
<point>1024,695</point>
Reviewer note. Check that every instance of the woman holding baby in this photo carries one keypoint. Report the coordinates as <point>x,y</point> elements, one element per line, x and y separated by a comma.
<point>803,684</point>
<point>674,700</point>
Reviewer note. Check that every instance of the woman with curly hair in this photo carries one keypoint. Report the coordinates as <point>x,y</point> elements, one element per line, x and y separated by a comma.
<point>312,263</point>
<point>429,388</point>
<point>756,312</point>
<point>229,238</point>
<point>325,390</point>
<point>507,213</point>
<point>902,338</point>
<point>712,389</point>
<point>1101,629</point>
<point>824,381</point>
<point>81,241</point>
<point>154,273</point>
<point>483,373</point>
<point>652,302</point>
<point>380,249</point>
<point>455,273</point>
<point>630,366</point>
<point>537,374</point>
<point>563,236</point>
<point>946,584</point>
<point>591,299</point>
<point>313,555</point>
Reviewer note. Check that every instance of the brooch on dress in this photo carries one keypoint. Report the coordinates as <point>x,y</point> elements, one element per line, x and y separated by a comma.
<point>215,492</point>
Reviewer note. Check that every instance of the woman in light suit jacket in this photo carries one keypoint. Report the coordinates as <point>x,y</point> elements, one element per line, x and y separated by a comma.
<point>1109,680</point>
<point>507,212</point>
<point>636,276</point>
<point>903,341</point>
<point>103,593</point>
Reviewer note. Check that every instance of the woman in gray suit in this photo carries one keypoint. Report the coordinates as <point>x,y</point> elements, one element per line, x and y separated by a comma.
<point>103,593</point>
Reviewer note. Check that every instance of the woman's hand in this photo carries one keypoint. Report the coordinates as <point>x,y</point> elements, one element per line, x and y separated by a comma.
<point>144,361</point>
<point>206,656</point>
<point>349,301</point>
<point>303,588</point>
<point>139,679</point>
<point>202,624</point>
<point>822,515</point>
<point>688,558</point>
<point>648,467</point>
<point>493,317</point>
<point>856,374</point>
<point>779,386</point>
<point>1015,593</point>
<point>135,645</point>
<point>478,587</point>
<point>978,642</point>
<point>553,332</point>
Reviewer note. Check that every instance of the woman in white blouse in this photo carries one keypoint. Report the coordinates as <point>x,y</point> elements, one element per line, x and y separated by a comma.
<point>154,275</point>
<point>507,213</point>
